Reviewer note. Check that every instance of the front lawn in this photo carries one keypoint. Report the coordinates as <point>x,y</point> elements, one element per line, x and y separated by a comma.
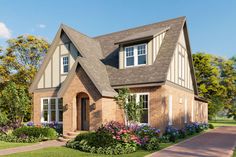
<point>67,152</point>
<point>5,145</point>
<point>223,122</point>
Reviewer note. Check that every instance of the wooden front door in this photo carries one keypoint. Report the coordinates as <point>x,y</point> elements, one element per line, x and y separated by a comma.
<point>84,114</point>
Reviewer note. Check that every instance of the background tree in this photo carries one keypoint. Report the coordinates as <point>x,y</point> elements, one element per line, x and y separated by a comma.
<point>20,61</point>
<point>14,101</point>
<point>208,80</point>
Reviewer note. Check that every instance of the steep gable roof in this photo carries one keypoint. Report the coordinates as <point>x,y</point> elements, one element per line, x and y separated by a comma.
<point>91,53</point>
<point>100,55</point>
<point>155,73</point>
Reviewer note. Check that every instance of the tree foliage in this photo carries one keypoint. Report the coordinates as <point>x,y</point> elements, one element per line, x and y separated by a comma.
<point>15,102</point>
<point>216,80</point>
<point>20,61</point>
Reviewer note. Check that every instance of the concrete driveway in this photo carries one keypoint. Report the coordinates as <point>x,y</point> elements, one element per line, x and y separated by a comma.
<point>219,142</point>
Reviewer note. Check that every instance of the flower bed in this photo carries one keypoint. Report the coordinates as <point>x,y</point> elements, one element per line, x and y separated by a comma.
<point>115,138</point>
<point>29,134</point>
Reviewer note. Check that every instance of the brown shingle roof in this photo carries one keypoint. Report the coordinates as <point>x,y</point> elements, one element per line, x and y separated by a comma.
<point>143,74</point>
<point>90,61</point>
<point>145,34</point>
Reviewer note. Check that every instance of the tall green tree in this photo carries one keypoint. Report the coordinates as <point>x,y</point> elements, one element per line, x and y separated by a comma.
<point>23,57</point>
<point>208,81</point>
<point>15,102</point>
<point>20,61</point>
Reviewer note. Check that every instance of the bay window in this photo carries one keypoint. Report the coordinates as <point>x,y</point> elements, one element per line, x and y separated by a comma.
<point>136,55</point>
<point>52,110</point>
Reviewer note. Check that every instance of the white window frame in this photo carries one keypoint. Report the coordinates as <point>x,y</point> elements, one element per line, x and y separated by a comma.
<point>62,65</point>
<point>135,55</point>
<point>137,100</point>
<point>170,108</point>
<point>49,110</point>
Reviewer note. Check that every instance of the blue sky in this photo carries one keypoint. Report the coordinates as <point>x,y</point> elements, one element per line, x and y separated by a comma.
<point>211,23</point>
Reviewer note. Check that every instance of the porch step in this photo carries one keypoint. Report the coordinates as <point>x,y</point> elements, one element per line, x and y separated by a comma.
<point>61,139</point>
<point>73,133</point>
<point>68,136</point>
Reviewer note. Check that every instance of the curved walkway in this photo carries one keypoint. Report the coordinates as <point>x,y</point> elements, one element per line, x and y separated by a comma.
<point>33,147</point>
<point>219,142</point>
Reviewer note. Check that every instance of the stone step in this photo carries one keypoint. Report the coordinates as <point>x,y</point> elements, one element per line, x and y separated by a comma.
<point>61,139</point>
<point>68,136</point>
<point>73,133</point>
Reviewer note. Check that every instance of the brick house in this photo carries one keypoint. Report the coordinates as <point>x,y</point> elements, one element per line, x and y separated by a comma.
<point>80,75</point>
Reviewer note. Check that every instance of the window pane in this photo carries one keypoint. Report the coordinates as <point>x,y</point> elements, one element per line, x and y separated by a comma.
<point>53,104</point>
<point>141,49</point>
<point>53,116</point>
<point>60,103</point>
<point>45,101</point>
<point>129,51</point>
<point>130,61</point>
<point>45,104</point>
<point>142,59</point>
<point>65,60</point>
<point>60,115</point>
<point>144,117</point>
<point>45,115</point>
<point>66,68</point>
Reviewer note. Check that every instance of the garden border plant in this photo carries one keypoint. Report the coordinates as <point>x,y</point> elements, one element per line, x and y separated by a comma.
<point>114,138</point>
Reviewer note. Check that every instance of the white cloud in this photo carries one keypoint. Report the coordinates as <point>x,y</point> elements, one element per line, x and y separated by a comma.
<point>4,31</point>
<point>42,26</point>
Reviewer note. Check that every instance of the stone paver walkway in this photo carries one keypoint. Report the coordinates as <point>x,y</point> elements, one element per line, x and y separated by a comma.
<point>219,142</point>
<point>33,147</point>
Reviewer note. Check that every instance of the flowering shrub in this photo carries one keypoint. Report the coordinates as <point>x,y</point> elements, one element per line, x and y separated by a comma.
<point>146,135</point>
<point>191,128</point>
<point>121,133</point>
<point>56,126</point>
<point>172,132</point>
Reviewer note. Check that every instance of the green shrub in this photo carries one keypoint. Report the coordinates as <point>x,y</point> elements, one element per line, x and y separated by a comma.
<point>211,126</point>
<point>153,144</point>
<point>35,132</point>
<point>12,138</point>
<point>100,142</point>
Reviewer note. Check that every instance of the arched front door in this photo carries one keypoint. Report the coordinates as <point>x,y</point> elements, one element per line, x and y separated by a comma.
<point>82,111</point>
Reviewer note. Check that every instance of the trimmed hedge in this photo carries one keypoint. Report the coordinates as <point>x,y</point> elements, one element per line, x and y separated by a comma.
<point>36,132</point>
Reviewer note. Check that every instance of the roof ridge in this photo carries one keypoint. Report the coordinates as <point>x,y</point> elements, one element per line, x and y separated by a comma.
<point>64,25</point>
<point>181,17</point>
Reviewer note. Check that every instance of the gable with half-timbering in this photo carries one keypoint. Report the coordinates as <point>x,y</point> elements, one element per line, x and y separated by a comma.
<point>179,70</point>
<point>59,64</point>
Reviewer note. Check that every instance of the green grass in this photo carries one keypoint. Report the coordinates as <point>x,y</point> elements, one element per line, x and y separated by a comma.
<point>67,152</point>
<point>5,145</point>
<point>225,122</point>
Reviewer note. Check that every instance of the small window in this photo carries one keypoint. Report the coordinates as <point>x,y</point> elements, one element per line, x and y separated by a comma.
<point>141,54</point>
<point>65,64</point>
<point>130,56</point>
<point>136,55</point>
<point>144,102</point>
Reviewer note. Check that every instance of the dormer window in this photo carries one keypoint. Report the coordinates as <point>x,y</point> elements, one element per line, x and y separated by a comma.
<point>64,64</point>
<point>136,55</point>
